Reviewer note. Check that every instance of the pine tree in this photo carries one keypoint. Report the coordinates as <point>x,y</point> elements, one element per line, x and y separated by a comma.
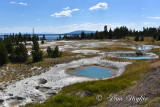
<point>97,35</point>
<point>105,32</point>
<point>60,37</point>
<point>56,52</point>
<point>49,51</point>
<point>136,38</point>
<point>158,37</point>
<point>82,35</point>
<point>142,38</point>
<point>9,45</point>
<point>110,34</point>
<point>20,53</point>
<point>44,38</point>
<point>42,41</point>
<point>37,55</point>
<point>3,54</point>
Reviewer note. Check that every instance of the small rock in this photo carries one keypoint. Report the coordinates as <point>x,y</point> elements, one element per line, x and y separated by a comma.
<point>1,101</point>
<point>37,87</point>
<point>10,94</point>
<point>42,81</point>
<point>19,98</point>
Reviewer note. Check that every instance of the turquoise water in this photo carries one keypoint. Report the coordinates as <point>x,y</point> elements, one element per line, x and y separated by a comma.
<point>137,57</point>
<point>94,71</point>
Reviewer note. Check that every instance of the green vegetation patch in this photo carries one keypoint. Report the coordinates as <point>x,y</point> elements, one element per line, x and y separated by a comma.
<point>84,94</point>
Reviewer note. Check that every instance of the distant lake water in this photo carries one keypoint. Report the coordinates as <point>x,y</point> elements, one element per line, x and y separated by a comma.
<point>47,36</point>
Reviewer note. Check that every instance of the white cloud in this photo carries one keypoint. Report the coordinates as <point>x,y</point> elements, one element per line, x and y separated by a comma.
<point>75,10</point>
<point>143,8</point>
<point>66,13</point>
<point>102,6</point>
<point>67,8</point>
<point>21,3</point>
<point>12,2</point>
<point>153,17</point>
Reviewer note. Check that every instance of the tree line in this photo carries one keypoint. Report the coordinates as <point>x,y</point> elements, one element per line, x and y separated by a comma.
<point>13,49</point>
<point>117,33</point>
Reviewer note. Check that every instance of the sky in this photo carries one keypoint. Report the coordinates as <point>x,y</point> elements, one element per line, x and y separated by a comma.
<point>63,16</point>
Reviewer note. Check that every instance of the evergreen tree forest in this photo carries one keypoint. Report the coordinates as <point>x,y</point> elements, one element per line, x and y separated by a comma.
<point>54,53</point>
<point>13,49</point>
<point>117,33</point>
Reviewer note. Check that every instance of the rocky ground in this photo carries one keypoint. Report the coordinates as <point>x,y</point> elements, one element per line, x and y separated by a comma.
<point>37,88</point>
<point>147,88</point>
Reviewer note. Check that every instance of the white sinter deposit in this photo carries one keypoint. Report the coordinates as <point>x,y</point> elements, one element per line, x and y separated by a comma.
<point>39,88</point>
<point>86,52</point>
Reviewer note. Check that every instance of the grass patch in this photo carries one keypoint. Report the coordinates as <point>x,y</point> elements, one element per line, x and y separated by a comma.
<point>118,59</point>
<point>112,48</point>
<point>71,95</point>
<point>150,102</point>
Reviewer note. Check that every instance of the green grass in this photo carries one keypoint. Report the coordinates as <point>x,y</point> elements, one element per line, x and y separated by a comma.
<point>150,102</point>
<point>70,97</point>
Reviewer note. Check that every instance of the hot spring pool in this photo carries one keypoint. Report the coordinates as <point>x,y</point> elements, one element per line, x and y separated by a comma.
<point>94,72</point>
<point>137,57</point>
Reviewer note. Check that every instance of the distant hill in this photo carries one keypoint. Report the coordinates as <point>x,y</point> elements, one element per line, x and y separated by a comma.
<point>48,34</point>
<point>79,32</point>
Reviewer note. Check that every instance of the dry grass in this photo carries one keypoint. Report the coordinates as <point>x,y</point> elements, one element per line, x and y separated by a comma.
<point>13,72</point>
<point>118,59</point>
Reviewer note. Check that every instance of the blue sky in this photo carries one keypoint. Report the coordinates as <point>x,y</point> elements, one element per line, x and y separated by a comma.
<point>61,16</point>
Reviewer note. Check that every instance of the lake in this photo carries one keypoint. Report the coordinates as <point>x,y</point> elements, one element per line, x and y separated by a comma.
<point>48,36</point>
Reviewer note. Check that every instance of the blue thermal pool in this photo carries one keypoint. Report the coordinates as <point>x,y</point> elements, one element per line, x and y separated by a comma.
<point>94,71</point>
<point>137,57</point>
